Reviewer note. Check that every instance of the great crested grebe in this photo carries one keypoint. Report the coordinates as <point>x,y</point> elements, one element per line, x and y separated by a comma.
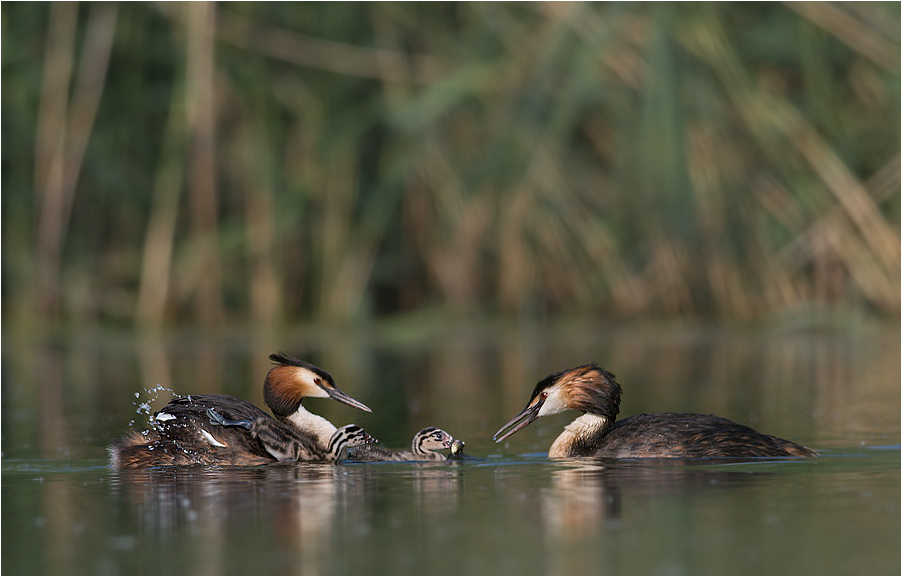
<point>591,389</point>
<point>201,428</point>
<point>425,442</point>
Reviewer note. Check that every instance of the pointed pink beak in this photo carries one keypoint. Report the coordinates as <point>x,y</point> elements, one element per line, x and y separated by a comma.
<point>525,417</point>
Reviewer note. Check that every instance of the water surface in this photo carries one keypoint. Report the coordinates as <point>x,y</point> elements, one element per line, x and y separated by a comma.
<point>507,510</point>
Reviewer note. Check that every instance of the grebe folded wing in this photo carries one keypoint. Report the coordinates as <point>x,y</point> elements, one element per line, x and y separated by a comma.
<point>692,436</point>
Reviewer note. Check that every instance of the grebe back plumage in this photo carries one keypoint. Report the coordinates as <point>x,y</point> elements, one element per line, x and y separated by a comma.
<point>592,390</point>
<point>151,450</point>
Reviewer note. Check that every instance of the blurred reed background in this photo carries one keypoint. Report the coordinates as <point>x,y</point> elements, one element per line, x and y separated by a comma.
<point>168,163</point>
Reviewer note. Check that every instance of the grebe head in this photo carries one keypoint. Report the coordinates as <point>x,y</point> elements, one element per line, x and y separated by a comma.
<point>587,388</point>
<point>346,437</point>
<point>431,439</point>
<point>349,436</point>
<point>293,379</point>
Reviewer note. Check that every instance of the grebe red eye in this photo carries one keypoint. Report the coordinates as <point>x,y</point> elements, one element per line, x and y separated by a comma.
<point>318,381</point>
<point>543,395</point>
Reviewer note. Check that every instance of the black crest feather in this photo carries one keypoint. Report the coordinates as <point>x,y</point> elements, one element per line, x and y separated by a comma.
<point>281,358</point>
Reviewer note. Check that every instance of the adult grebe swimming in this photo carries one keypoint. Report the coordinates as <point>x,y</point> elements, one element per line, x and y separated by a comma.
<point>201,429</point>
<point>423,448</point>
<point>591,389</point>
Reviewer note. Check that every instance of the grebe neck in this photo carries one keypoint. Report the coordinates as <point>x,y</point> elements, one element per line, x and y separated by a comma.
<point>312,425</point>
<point>581,436</point>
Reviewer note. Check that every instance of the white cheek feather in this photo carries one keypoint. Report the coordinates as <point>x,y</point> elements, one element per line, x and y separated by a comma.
<point>554,403</point>
<point>309,386</point>
<point>317,392</point>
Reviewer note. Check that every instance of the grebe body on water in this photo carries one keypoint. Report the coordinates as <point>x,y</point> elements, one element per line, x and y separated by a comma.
<point>592,390</point>
<point>423,448</point>
<point>200,429</point>
<point>154,451</point>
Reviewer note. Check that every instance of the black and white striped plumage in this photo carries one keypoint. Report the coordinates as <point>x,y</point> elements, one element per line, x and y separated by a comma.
<point>423,448</point>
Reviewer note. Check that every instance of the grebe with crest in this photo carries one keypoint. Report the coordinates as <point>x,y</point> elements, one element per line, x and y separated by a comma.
<point>202,429</point>
<point>592,390</point>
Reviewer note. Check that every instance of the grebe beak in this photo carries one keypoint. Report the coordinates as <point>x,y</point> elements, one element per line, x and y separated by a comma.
<point>526,416</point>
<point>346,399</point>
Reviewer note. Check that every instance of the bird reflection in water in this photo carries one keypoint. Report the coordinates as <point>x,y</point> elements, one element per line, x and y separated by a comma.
<point>292,508</point>
<point>579,502</point>
<point>437,488</point>
<point>588,498</point>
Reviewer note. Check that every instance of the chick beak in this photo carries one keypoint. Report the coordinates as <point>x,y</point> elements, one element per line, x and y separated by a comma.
<point>525,417</point>
<point>346,399</point>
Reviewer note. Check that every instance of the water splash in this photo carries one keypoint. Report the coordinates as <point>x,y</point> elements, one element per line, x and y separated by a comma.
<point>146,407</point>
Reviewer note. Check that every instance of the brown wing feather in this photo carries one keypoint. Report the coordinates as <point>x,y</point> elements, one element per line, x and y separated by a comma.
<point>692,436</point>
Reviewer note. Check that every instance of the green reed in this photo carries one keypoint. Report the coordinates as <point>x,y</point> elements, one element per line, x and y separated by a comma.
<point>262,162</point>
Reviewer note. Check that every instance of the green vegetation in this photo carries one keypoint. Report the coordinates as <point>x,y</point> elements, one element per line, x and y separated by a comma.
<point>268,162</point>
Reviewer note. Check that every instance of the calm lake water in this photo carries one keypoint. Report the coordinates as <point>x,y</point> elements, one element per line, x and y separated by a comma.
<point>508,509</point>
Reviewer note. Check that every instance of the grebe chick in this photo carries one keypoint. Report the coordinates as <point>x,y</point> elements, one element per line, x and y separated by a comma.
<point>286,445</point>
<point>346,437</point>
<point>592,390</point>
<point>183,432</point>
<point>424,443</point>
